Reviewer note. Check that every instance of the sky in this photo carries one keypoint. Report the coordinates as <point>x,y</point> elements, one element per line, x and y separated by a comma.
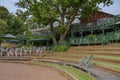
<point>9,4</point>
<point>113,9</point>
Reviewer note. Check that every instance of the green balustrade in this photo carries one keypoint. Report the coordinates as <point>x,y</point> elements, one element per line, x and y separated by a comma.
<point>100,25</point>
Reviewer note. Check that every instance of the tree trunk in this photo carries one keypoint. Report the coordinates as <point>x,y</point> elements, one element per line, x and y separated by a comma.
<point>62,24</point>
<point>62,36</point>
<point>61,39</point>
<point>62,19</point>
<point>53,34</point>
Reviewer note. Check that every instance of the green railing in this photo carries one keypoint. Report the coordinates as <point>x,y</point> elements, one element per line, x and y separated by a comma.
<point>80,41</point>
<point>117,18</point>
<point>103,23</point>
<point>96,39</point>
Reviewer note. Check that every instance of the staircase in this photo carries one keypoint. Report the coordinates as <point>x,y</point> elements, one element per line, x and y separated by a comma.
<point>105,56</point>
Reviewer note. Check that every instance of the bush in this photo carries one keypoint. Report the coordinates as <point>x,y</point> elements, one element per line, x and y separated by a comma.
<point>60,48</point>
<point>91,37</point>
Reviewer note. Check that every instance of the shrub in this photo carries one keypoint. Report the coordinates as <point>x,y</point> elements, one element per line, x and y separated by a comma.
<point>91,37</point>
<point>60,48</point>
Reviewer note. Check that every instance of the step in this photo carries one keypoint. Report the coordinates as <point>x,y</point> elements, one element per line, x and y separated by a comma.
<point>115,45</point>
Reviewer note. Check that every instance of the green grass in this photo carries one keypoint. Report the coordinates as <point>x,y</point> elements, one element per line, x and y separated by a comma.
<point>101,56</point>
<point>62,58</point>
<point>72,56</point>
<point>79,75</point>
<point>111,65</point>
<point>90,53</point>
<point>109,57</point>
<point>102,52</point>
<point>95,49</point>
<point>108,65</point>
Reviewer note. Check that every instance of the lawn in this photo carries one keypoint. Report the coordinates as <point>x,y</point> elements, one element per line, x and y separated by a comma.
<point>75,57</point>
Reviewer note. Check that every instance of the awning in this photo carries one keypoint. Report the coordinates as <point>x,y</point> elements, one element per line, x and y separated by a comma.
<point>14,41</point>
<point>39,39</point>
<point>8,36</point>
<point>21,37</point>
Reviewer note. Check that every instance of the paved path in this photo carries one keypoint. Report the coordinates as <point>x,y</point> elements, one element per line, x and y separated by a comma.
<point>12,71</point>
<point>99,74</point>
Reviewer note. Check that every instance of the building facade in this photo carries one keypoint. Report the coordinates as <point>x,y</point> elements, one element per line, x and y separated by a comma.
<point>101,28</point>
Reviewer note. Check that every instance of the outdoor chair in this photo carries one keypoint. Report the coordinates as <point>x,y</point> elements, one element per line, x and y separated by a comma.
<point>86,60</point>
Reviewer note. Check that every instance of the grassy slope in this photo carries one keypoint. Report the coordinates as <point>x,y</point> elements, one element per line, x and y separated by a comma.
<point>76,56</point>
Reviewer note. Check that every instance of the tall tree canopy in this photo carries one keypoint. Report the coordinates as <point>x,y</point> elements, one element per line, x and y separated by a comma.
<point>15,25</point>
<point>22,14</point>
<point>3,27</point>
<point>3,12</point>
<point>3,20</point>
<point>12,24</point>
<point>46,12</point>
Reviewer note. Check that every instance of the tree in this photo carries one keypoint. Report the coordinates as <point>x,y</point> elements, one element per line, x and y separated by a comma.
<point>3,12</point>
<point>15,25</point>
<point>3,20</point>
<point>3,27</point>
<point>22,14</point>
<point>46,12</point>
<point>10,23</point>
<point>41,14</point>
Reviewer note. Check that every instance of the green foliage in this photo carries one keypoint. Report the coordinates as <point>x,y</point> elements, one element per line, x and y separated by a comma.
<point>12,24</point>
<point>91,37</point>
<point>46,12</point>
<point>60,48</point>
<point>3,12</point>
<point>62,29</point>
<point>22,15</point>
<point>16,25</point>
<point>3,27</point>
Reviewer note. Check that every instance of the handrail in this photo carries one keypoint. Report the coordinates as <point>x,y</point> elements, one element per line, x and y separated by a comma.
<point>101,38</point>
<point>100,23</point>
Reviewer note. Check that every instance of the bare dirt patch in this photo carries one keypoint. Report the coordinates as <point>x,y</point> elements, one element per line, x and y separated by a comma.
<point>12,71</point>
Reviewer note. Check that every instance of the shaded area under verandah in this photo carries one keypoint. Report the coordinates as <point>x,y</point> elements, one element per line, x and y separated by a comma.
<point>40,42</point>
